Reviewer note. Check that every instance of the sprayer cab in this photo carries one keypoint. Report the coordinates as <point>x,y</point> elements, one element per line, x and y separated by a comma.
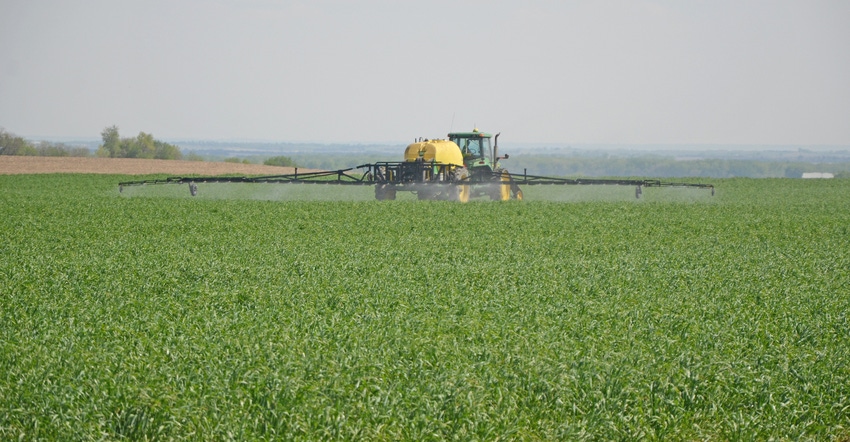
<point>478,153</point>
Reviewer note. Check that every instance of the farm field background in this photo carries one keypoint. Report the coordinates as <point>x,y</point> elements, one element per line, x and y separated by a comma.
<point>257,312</point>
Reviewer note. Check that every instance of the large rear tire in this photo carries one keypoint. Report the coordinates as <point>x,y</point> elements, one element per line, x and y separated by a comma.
<point>505,187</point>
<point>517,192</point>
<point>502,186</point>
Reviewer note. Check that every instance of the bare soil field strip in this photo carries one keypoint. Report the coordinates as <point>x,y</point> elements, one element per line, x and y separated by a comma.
<point>11,165</point>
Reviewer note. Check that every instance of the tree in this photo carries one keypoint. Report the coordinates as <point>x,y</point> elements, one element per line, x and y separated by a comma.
<point>143,145</point>
<point>194,156</point>
<point>10,144</point>
<point>165,151</point>
<point>46,149</point>
<point>111,143</point>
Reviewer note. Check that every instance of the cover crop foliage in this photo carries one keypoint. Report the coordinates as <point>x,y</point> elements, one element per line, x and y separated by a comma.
<point>161,316</point>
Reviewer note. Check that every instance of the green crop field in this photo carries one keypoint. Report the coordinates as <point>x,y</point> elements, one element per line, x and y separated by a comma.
<point>291,313</point>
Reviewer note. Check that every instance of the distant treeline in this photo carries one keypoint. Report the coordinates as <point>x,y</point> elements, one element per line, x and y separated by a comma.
<point>11,144</point>
<point>142,146</point>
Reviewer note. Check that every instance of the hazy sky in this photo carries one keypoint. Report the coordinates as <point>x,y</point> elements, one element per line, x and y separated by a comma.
<point>623,72</point>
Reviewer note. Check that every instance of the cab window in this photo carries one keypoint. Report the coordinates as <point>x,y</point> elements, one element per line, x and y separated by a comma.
<point>473,147</point>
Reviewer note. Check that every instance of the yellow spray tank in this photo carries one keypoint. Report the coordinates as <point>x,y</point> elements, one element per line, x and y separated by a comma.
<point>433,169</point>
<point>440,151</point>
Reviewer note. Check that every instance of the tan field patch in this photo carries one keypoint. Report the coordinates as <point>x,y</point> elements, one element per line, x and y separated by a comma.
<point>10,165</point>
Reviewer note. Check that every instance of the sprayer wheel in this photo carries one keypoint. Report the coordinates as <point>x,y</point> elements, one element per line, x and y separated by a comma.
<point>384,192</point>
<point>505,187</point>
<point>461,192</point>
<point>502,190</point>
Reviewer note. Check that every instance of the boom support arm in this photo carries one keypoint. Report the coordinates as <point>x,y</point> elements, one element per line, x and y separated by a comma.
<point>532,180</point>
<point>325,177</point>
